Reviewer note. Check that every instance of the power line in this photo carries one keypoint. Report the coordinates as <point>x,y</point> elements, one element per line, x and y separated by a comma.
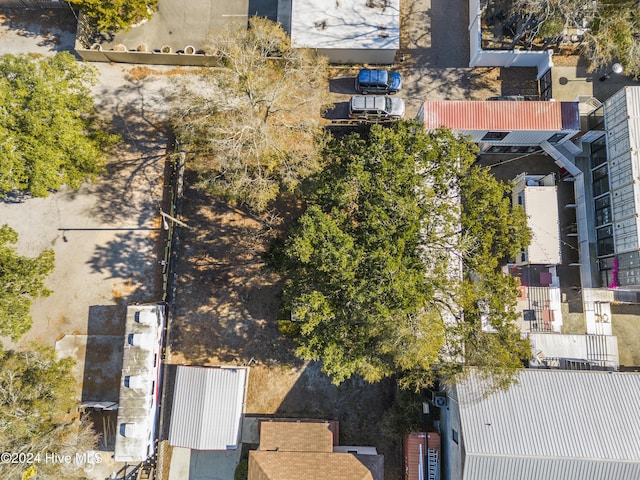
<point>516,158</point>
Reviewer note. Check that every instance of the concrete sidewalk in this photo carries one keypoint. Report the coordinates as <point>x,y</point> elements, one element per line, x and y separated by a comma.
<point>570,82</point>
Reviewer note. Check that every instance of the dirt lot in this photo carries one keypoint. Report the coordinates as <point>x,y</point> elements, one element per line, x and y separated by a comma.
<point>227,312</point>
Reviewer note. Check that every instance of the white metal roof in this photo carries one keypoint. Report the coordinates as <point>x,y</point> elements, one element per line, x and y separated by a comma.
<point>552,424</point>
<point>207,408</point>
<point>139,383</point>
<point>541,207</point>
<point>346,24</point>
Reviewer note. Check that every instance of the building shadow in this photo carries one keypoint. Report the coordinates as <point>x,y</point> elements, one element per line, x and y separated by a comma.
<point>357,405</point>
<point>263,8</point>
<point>103,353</point>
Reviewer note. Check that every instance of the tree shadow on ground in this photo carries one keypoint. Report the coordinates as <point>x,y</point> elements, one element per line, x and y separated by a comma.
<point>359,406</point>
<point>134,258</point>
<point>519,81</point>
<point>56,26</point>
<point>453,84</point>
<point>132,188</point>
<point>227,302</point>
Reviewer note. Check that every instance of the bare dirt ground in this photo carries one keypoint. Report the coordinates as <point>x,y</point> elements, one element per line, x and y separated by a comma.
<point>227,311</point>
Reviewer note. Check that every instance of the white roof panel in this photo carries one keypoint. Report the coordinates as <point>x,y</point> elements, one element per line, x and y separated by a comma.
<point>207,408</point>
<point>346,24</point>
<point>541,206</point>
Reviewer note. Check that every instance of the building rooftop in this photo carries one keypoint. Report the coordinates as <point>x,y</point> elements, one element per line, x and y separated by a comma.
<point>501,116</point>
<point>208,404</point>
<point>308,465</point>
<point>179,24</point>
<point>140,382</point>
<point>346,24</point>
<point>552,424</point>
<point>296,437</point>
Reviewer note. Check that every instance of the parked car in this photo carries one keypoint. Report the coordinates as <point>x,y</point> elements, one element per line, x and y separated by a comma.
<point>378,107</point>
<point>378,81</point>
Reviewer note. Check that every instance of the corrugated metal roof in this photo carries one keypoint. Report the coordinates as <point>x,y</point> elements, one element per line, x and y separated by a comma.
<point>554,423</point>
<point>499,116</point>
<point>207,408</point>
<point>412,454</point>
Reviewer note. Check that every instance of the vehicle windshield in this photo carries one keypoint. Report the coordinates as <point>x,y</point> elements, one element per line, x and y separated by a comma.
<point>387,104</point>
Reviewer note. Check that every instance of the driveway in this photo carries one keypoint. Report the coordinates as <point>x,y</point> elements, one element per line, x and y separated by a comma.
<point>434,60</point>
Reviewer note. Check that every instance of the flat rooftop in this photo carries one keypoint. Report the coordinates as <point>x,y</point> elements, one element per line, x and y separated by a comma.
<point>346,24</point>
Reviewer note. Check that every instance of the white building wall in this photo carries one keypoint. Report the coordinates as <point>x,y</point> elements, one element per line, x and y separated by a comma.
<point>521,138</point>
<point>501,58</point>
<point>347,56</point>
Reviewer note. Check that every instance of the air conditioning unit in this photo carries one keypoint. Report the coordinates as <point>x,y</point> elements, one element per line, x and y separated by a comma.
<point>440,401</point>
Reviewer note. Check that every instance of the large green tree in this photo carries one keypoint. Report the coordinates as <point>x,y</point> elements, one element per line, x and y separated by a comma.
<point>49,132</point>
<point>384,269</point>
<point>250,127</point>
<point>38,415</point>
<point>21,280</point>
<point>110,16</point>
<point>612,30</point>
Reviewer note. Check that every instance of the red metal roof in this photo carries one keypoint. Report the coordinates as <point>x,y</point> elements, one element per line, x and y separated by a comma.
<point>493,116</point>
<point>412,442</point>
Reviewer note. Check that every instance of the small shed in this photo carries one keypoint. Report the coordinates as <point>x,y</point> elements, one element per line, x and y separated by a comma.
<point>208,404</point>
<point>347,31</point>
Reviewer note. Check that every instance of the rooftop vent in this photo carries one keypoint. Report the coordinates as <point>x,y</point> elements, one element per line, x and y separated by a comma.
<point>146,317</point>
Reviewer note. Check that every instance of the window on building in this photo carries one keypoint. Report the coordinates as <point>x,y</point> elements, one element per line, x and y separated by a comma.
<point>603,210</point>
<point>600,180</point>
<point>595,120</point>
<point>454,436</point>
<point>605,241</point>
<point>598,152</point>
<point>557,137</point>
<point>495,136</point>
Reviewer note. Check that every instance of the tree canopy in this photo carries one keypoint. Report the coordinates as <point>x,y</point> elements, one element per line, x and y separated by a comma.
<point>38,414</point>
<point>110,16</point>
<point>612,30</point>
<point>375,265</point>
<point>49,133</point>
<point>250,126</point>
<point>21,280</point>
